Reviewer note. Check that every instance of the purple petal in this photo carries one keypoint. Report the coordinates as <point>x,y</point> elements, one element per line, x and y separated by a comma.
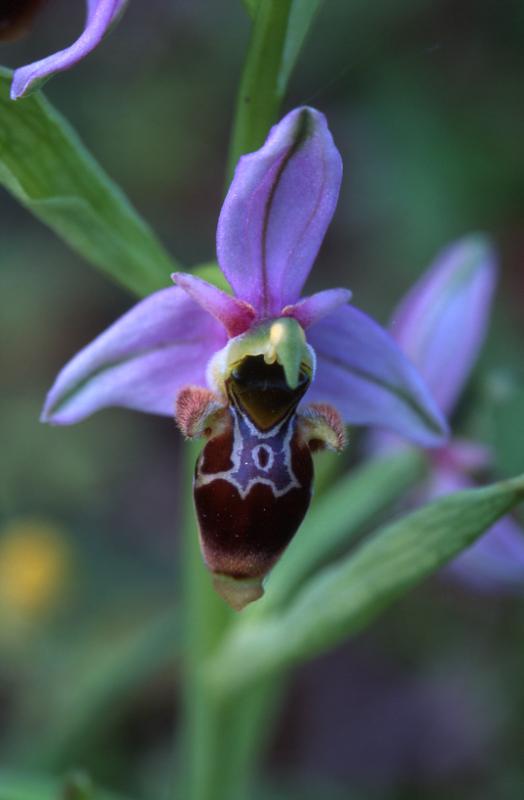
<point>464,456</point>
<point>495,562</point>
<point>442,322</point>
<point>362,372</point>
<point>235,315</point>
<point>99,17</point>
<point>162,344</point>
<point>312,309</point>
<point>277,210</point>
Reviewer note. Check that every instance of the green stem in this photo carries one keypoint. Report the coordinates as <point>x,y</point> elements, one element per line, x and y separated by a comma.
<point>206,618</point>
<point>261,90</point>
<point>222,736</point>
<point>225,736</point>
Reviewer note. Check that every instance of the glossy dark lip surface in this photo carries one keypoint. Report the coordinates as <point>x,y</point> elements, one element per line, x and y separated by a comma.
<point>260,390</point>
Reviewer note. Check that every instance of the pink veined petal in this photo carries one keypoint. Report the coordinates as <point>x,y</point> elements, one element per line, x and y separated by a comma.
<point>363,373</point>
<point>441,323</point>
<point>277,210</point>
<point>235,315</point>
<point>140,362</point>
<point>463,456</point>
<point>495,562</point>
<point>312,309</point>
<point>100,15</point>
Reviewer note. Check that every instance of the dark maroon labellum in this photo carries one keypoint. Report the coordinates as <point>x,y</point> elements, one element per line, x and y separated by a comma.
<point>253,480</point>
<point>16,17</point>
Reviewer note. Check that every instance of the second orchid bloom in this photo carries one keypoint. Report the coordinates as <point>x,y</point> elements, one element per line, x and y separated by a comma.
<point>441,325</point>
<point>265,376</point>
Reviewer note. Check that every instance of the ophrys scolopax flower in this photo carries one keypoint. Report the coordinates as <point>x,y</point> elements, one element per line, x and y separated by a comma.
<point>264,375</point>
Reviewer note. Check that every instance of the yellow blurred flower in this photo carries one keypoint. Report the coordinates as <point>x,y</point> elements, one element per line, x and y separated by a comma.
<point>34,568</point>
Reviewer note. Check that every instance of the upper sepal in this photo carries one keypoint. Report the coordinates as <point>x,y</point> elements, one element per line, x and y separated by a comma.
<point>277,210</point>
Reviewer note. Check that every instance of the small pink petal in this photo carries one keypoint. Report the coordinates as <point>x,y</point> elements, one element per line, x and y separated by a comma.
<point>312,309</point>
<point>235,315</point>
<point>463,455</point>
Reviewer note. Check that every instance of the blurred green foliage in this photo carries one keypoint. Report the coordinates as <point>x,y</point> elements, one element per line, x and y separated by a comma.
<point>424,100</point>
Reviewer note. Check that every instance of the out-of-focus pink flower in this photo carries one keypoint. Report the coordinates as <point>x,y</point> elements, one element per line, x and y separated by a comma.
<point>441,325</point>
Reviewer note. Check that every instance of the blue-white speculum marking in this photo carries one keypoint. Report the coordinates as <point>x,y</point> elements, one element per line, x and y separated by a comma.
<point>253,478</point>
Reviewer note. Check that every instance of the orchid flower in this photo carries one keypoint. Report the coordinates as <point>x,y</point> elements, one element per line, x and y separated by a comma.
<point>100,16</point>
<point>237,366</point>
<point>441,325</point>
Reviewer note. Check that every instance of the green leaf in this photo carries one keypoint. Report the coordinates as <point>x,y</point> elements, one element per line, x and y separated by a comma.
<point>357,498</point>
<point>279,30</point>
<point>301,18</point>
<point>251,7</point>
<point>344,598</point>
<point>207,731</point>
<point>46,167</point>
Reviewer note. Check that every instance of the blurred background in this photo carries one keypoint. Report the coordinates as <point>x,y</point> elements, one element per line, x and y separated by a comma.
<point>425,103</point>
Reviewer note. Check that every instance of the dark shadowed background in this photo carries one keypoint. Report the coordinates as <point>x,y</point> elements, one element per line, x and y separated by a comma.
<point>425,103</point>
